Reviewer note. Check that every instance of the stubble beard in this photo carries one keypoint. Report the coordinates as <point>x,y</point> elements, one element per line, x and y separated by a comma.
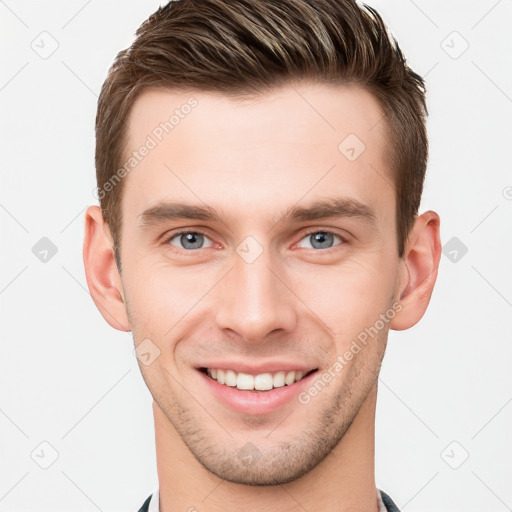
<point>258,461</point>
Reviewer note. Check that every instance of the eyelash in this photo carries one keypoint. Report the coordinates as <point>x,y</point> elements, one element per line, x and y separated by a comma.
<point>342,239</point>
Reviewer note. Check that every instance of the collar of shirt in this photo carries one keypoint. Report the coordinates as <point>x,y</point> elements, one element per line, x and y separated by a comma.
<point>154,504</point>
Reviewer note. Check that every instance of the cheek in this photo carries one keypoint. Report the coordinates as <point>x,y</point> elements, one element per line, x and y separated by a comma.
<point>161,297</point>
<point>347,296</point>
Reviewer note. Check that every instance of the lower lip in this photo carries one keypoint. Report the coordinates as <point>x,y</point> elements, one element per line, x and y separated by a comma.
<point>249,402</point>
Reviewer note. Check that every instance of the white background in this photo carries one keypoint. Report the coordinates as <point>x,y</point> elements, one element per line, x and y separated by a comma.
<point>70,380</point>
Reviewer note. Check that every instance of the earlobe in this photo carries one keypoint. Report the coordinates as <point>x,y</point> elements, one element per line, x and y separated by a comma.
<point>103,278</point>
<point>419,270</point>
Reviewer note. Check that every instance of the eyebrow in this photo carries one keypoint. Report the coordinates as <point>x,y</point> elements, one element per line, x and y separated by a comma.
<point>322,209</point>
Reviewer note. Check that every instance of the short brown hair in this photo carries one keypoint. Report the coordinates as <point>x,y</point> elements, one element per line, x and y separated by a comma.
<point>249,47</point>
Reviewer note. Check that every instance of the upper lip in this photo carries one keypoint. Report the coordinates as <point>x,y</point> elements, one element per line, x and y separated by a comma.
<point>257,368</point>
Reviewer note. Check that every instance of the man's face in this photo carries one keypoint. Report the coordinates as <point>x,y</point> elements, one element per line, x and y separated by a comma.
<point>267,288</point>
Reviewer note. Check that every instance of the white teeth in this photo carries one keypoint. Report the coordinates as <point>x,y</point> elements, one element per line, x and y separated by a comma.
<point>290,378</point>
<point>245,381</point>
<point>279,379</point>
<point>231,378</point>
<point>261,382</point>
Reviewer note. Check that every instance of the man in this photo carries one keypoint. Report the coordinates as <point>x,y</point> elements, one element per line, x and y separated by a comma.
<point>260,166</point>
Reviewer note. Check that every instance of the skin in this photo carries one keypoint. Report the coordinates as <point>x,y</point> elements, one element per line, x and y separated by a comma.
<point>296,302</point>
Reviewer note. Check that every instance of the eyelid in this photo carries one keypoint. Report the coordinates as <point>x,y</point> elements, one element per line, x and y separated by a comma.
<point>173,234</point>
<point>304,234</point>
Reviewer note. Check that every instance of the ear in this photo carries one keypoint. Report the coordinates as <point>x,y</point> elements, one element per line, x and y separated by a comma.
<point>103,279</point>
<point>418,271</point>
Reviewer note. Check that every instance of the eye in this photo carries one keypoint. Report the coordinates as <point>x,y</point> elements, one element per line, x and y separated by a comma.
<point>320,240</point>
<point>189,240</point>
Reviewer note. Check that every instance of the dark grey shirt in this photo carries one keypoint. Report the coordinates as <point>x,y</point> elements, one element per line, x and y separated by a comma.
<point>388,503</point>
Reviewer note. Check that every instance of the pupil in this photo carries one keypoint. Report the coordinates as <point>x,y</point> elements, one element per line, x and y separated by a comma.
<point>193,239</point>
<point>321,238</point>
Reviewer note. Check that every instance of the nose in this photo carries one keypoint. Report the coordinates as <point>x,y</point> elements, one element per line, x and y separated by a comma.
<point>254,300</point>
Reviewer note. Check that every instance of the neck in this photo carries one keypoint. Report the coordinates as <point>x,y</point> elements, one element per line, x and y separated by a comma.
<point>344,481</point>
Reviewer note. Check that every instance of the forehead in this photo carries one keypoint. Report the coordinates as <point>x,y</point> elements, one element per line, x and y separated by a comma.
<point>295,144</point>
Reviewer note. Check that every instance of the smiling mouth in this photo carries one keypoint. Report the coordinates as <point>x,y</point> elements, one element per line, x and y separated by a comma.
<point>255,383</point>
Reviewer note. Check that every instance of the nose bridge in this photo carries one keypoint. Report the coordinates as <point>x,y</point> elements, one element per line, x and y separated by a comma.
<point>252,300</point>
